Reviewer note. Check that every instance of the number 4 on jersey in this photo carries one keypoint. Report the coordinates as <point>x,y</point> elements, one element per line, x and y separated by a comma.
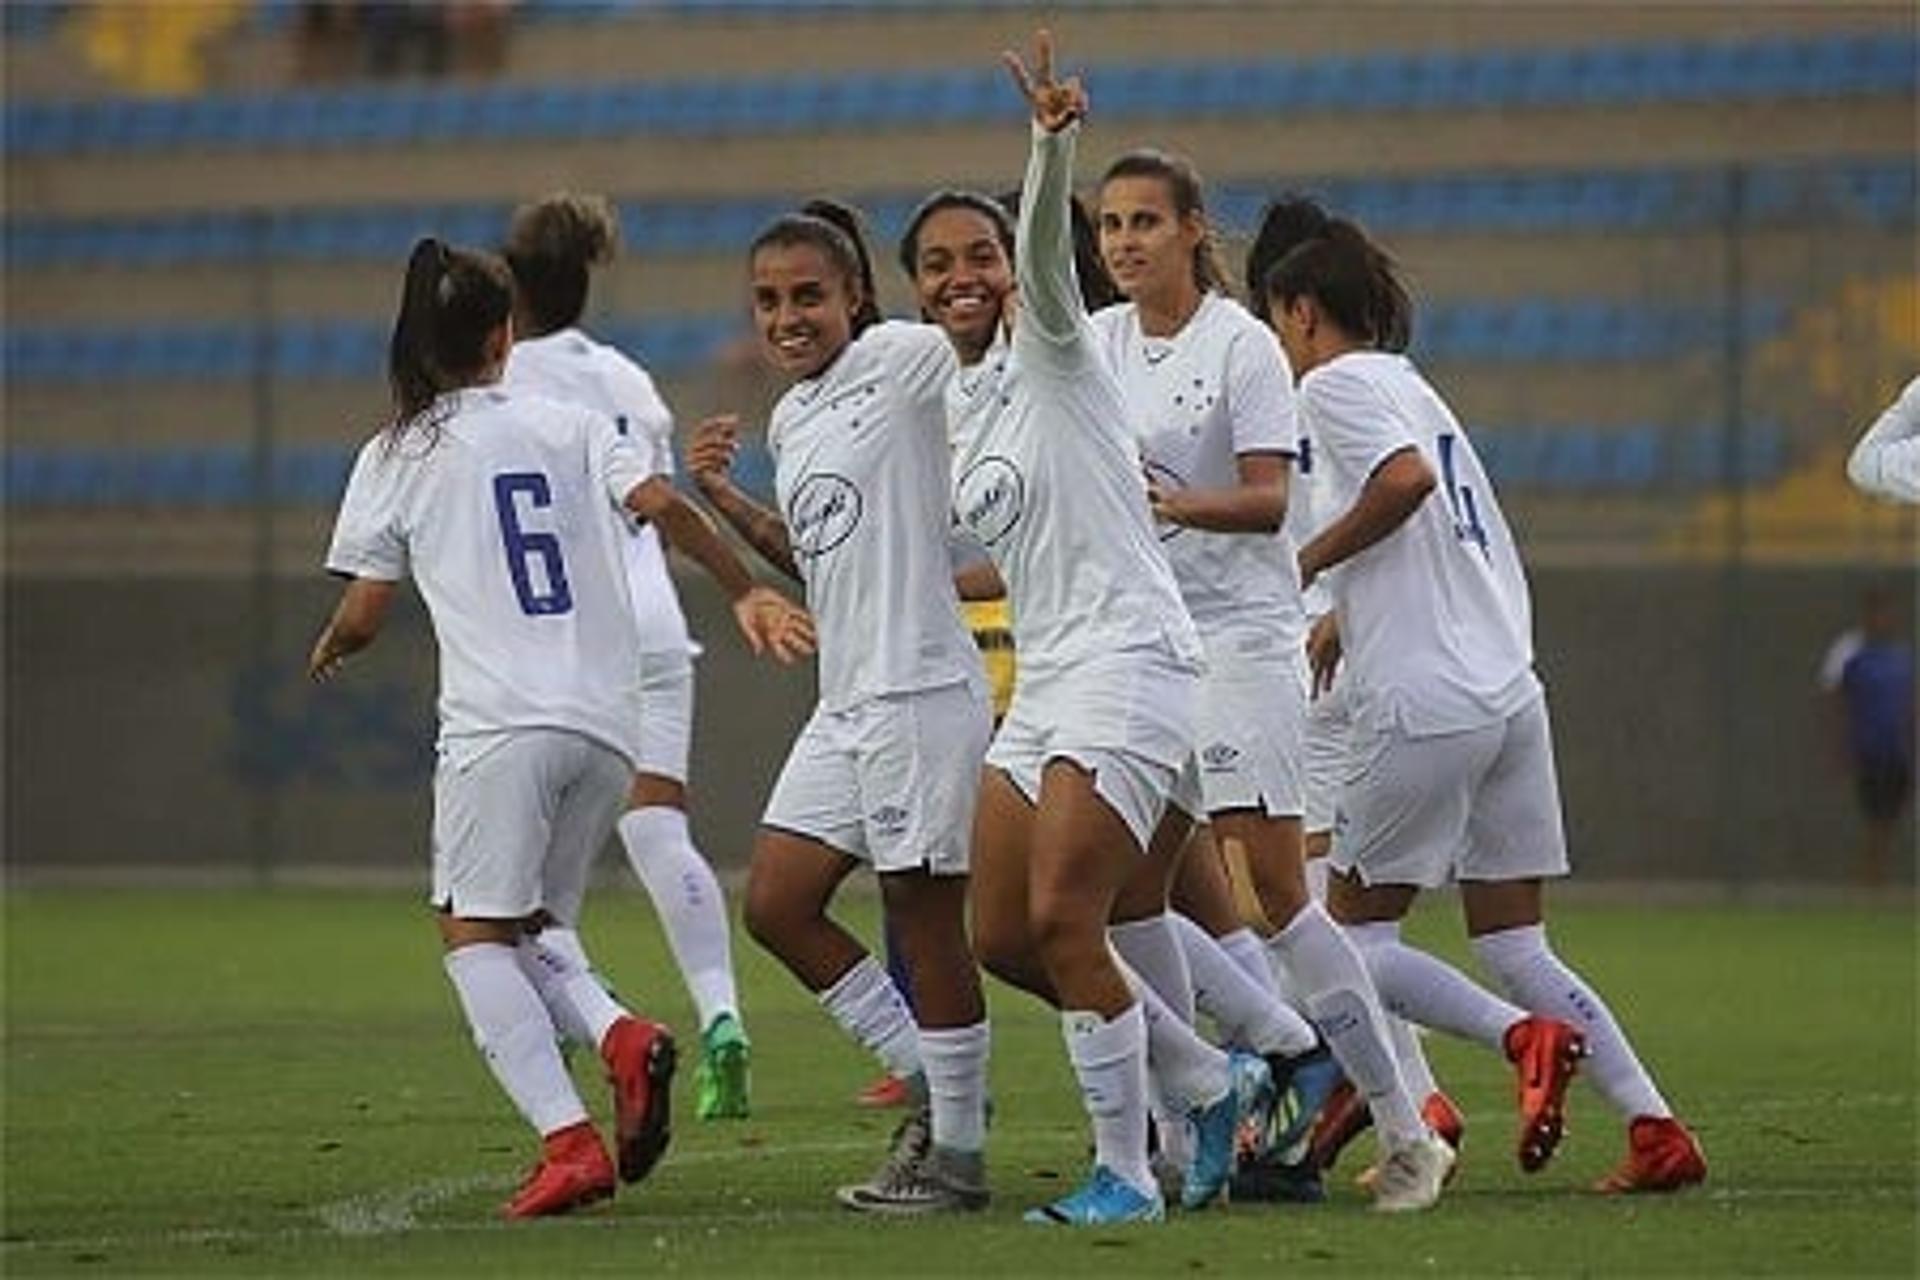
<point>1466,516</point>
<point>524,547</point>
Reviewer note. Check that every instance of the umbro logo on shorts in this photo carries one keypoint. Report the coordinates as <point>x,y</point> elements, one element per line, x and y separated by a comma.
<point>889,820</point>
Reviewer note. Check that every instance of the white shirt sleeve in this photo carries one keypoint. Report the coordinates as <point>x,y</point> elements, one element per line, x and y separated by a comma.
<point>1260,395</point>
<point>619,461</point>
<point>368,540</point>
<point>1353,425</point>
<point>1886,462</point>
<point>925,362</point>
<point>647,416</point>
<point>1052,314</point>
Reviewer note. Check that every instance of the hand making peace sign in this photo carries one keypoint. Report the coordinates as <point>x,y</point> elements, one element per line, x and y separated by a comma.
<point>1055,104</point>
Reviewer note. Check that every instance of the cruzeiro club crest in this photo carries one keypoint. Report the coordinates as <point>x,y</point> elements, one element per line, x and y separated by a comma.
<point>823,513</point>
<point>993,496</point>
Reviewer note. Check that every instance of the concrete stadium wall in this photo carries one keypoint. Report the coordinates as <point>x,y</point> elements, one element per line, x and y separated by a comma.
<point>142,732</point>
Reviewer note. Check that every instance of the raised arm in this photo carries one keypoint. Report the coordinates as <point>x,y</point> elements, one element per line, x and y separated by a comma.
<point>710,460</point>
<point>1051,307</point>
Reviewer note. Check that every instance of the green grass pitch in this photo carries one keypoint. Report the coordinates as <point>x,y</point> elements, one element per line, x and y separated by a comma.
<point>279,1083</point>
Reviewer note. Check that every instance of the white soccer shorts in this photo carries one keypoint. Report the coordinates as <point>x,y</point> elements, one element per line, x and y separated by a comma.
<point>518,818</point>
<point>1126,717</point>
<point>666,713</point>
<point>1326,759</point>
<point>891,781</point>
<point>1479,805</point>
<point>1249,747</point>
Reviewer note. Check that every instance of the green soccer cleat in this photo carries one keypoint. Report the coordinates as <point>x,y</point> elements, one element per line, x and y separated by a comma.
<point>720,1083</point>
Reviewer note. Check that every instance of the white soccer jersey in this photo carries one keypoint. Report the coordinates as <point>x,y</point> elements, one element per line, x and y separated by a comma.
<point>1435,619</point>
<point>860,470</point>
<point>568,365</point>
<point>1886,462</point>
<point>1046,469</point>
<point>1197,401</point>
<point>499,513</point>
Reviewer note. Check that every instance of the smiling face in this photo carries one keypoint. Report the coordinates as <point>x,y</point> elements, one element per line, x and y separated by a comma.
<point>803,308</point>
<point>962,276</point>
<point>1147,244</point>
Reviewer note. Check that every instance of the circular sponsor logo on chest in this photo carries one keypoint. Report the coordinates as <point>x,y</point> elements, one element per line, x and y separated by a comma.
<point>993,495</point>
<point>823,513</point>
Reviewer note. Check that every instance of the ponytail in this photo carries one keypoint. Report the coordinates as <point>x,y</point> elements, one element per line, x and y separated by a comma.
<point>451,301</point>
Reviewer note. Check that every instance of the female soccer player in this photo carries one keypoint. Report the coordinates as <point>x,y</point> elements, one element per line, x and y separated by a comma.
<point>1325,756</point>
<point>1434,620</point>
<point>1045,479</point>
<point>552,246</point>
<point>496,504</point>
<point>1210,398</point>
<point>887,768</point>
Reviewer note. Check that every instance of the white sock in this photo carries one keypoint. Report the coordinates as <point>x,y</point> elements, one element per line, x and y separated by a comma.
<point>956,1064</point>
<point>1152,950</point>
<point>1412,1055</point>
<point>1316,871</point>
<point>557,965</point>
<point>1527,968</point>
<point>1110,1058</point>
<point>514,1034</point>
<point>688,900</point>
<point>1243,945</point>
<point>1427,990</point>
<point>869,1008</point>
<point>1344,1006</point>
<point>1188,1072</point>
<point>1244,1010</point>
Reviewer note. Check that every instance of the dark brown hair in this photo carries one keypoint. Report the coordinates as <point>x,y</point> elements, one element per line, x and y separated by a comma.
<point>452,299</point>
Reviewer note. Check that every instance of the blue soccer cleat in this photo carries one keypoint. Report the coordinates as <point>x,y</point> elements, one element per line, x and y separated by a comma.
<point>1103,1200</point>
<point>1302,1086</point>
<point>1249,1094</point>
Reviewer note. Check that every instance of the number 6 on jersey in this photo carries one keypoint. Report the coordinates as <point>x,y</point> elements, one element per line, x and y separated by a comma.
<point>524,547</point>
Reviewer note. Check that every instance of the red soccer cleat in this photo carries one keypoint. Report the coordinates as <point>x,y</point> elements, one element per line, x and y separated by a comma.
<point>639,1057</point>
<point>1662,1155</point>
<point>1546,1052</point>
<point>1343,1117</point>
<point>1444,1119</point>
<point>573,1171</point>
<point>887,1091</point>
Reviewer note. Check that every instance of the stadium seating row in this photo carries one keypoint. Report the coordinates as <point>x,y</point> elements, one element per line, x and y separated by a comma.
<point>30,19</point>
<point>1557,459</point>
<point>1874,192</point>
<point>1527,331</point>
<point>1852,65</point>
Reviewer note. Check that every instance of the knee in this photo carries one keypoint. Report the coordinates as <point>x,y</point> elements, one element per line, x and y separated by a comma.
<point>1002,948</point>
<point>770,916</point>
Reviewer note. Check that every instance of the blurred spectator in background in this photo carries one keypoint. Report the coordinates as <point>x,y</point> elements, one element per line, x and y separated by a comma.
<point>339,38</point>
<point>326,39</point>
<point>1868,676</point>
